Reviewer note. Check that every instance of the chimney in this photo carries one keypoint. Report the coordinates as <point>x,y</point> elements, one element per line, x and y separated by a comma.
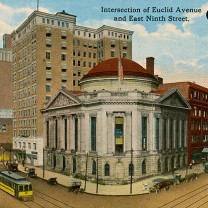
<point>150,65</point>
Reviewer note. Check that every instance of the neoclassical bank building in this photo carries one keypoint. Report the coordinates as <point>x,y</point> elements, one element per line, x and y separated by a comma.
<point>115,129</point>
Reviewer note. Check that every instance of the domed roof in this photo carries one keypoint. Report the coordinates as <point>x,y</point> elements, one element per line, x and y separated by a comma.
<point>110,68</point>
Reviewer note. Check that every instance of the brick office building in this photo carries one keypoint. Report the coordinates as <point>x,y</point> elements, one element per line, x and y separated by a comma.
<point>6,93</point>
<point>197,96</point>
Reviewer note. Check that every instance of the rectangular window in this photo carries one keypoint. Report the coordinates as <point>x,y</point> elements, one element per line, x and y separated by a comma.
<point>48,97</point>
<point>2,128</point>
<point>48,88</point>
<point>48,55</point>
<point>34,146</point>
<point>144,133</point>
<point>63,57</point>
<point>157,120</point>
<point>112,53</point>
<point>93,133</point>
<point>119,135</point>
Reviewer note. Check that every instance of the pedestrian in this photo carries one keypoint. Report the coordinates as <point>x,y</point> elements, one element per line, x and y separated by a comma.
<point>23,163</point>
<point>190,166</point>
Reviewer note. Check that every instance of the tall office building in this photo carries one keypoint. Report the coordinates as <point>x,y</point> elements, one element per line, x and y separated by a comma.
<point>51,52</point>
<point>6,93</point>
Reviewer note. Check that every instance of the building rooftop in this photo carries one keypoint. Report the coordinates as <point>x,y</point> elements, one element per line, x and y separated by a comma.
<point>110,68</point>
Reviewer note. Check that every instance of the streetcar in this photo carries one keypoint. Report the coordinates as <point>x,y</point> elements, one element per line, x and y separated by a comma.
<point>16,185</point>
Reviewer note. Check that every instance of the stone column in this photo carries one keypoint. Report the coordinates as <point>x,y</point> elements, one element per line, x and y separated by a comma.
<point>51,132</point>
<point>150,132</point>
<point>87,132</point>
<point>71,132</point>
<point>174,133</point>
<point>110,134</point>
<point>59,120</point>
<point>139,126</point>
<point>68,132</point>
<point>135,130</point>
<point>79,131</point>
<point>179,134</point>
<point>186,133</point>
<point>168,133</point>
<point>128,140</point>
<point>161,133</point>
<point>62,132</point>
<point>104,132</point>
<point>82,132</point>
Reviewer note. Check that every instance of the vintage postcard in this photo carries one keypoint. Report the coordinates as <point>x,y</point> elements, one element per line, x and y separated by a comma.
<point>103,103</point>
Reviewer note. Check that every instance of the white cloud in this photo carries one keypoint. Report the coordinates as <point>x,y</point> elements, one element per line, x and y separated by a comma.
<point>11,17</point>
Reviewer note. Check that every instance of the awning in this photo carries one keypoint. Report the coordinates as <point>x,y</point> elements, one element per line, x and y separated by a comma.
<point>205,150</point>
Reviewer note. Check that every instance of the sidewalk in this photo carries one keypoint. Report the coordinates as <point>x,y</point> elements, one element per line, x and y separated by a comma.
<point>137,188</point>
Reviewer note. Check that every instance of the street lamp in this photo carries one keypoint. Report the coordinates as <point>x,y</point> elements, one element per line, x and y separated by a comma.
<point>44,149</point>
<point>86,172</point>
<point>131,171</point>
<point>92,153</point>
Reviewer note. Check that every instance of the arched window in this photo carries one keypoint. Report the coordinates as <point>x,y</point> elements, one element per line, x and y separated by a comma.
<point>184,160</point>
<point>144,167</point>
<point>166,164</point>
<point>159,165</point>
<point>74,165</point>
<point>107,170</point>
<point>54,161</point>
<point>178,162</point>
<point>131,169</point>
<point>93,167</point>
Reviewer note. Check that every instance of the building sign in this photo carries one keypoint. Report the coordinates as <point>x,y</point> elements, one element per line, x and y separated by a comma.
<point>119,140</point>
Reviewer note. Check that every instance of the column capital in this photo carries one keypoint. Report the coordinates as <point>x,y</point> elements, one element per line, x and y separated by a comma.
<point>128,113</point>
<point>81,115</point>
<point>93,114</point>
<point>109,113</point>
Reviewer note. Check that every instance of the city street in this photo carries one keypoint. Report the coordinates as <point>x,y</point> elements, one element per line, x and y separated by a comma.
<point>187,194</point>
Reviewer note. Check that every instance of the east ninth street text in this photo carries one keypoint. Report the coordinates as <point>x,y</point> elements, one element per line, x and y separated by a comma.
<point>151,18</point>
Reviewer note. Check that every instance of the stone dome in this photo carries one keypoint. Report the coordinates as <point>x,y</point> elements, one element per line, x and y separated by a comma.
<point>105,76</point>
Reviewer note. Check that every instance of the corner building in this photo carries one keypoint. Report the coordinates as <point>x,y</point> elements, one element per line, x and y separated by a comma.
<point>111,129</point>
<point>197,97</point>
<point>51,52</point>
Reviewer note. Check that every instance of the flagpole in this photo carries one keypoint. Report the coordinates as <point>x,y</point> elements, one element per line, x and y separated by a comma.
<point>37,5</point>
<point>119,65</point>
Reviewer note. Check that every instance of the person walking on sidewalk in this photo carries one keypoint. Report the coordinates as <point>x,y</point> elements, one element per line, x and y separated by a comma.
<point>23,163</point>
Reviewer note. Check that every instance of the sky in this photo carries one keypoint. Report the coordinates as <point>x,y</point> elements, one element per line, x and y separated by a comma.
<point>174,32</point>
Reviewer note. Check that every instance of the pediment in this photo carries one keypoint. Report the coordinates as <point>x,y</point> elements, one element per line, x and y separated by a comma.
<point>61,100</point>
<point>174,99</point>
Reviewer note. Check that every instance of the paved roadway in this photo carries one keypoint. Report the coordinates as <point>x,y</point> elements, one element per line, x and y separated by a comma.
<point>192,194</point>
<point>137,188</point>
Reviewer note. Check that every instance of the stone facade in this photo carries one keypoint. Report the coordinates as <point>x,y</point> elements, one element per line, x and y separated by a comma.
<point>69,135</point>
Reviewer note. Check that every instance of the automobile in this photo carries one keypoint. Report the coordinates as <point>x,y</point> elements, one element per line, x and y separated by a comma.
<point>206,167</point>
<point>31,173</point>
<point>159,184</point>
<point>12,167</point>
